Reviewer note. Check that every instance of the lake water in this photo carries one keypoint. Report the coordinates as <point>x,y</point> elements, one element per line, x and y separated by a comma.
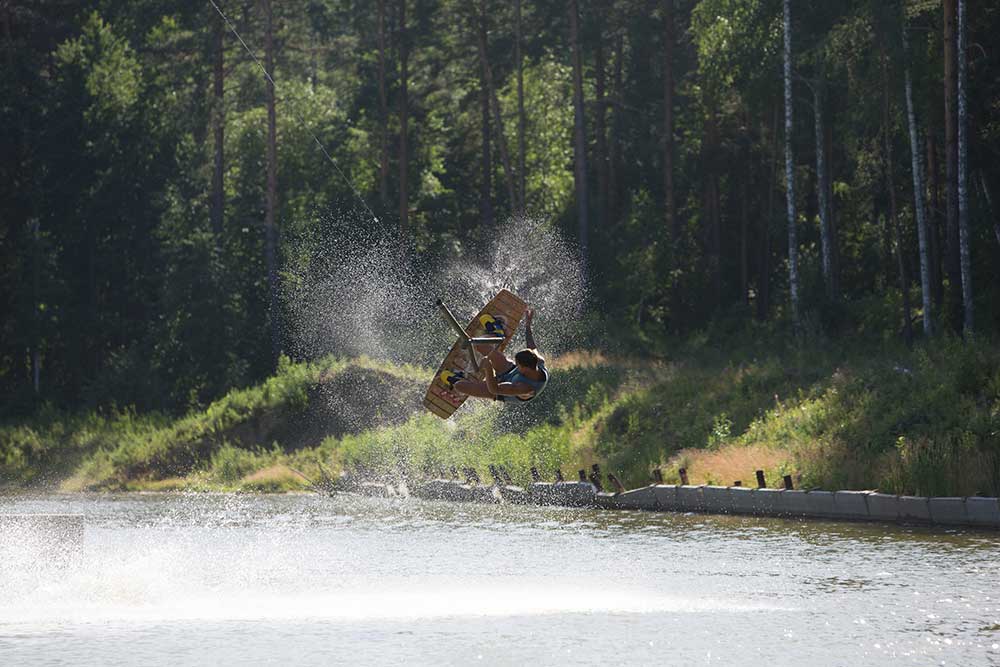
<point>237,579</point>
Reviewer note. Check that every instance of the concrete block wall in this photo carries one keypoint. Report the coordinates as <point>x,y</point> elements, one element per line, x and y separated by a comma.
<point>640,499</point>
<point>796,503</point>
<point>741,500</point>
<point>850,505</point>
<point>948,511</point>
<point>834,505</point>
<point>883,507</point>
<point>914,509</point>
<point>768,502</point>
<point>983,511</point>
<point>718,498</point>
<point>566,494</point>
<point>690,499</point>
<point>666,497</point>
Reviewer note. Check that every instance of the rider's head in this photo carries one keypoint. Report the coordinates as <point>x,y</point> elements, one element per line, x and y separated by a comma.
<point>526,359</point>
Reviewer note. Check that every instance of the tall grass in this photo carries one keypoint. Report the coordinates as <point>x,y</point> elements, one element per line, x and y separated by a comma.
<point>923,421</point>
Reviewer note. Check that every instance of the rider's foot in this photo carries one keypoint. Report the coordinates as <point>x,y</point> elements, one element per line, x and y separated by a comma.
<point>449,378</point>
<point>492,326</point>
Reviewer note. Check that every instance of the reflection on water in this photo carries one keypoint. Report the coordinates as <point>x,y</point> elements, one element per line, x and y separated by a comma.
<point>210,579</point>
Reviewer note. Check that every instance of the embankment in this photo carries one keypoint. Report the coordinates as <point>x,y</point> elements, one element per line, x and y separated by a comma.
<point>922,422</point>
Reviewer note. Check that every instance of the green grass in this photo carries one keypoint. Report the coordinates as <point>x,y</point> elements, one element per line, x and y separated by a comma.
<point>904,421</point>
<point>923,421</point>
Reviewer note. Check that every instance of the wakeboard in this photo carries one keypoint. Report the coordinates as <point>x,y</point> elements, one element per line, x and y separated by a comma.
<point>501,316</point>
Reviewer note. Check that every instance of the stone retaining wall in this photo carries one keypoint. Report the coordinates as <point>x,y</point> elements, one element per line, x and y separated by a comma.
<point>833,505</point>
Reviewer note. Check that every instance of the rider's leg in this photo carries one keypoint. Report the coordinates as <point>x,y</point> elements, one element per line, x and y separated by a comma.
<point>475,388</point>
<point>501,364</point>
<point>499,360</point>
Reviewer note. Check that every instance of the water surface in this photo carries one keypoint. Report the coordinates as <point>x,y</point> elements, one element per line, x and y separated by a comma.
<point>224,579</point>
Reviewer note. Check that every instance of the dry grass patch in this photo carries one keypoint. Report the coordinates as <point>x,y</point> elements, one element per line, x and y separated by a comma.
<point>191,483</point>
<point>592,359</point>
<point>730,463</point>
<point>579,359</point>
<point>272,478</point>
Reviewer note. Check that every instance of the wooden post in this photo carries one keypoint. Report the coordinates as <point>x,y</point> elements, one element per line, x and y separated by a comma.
<point>761,482</point>
<point>535,477</point>
<point>582,474</point>
<point>506,476</point>
<point>495,474</point>
<point>559,476</point>
<point>657,475</point>
<point>615,482</point>
<point>595,479</point>
<point>454,472</point>
<point>684,476</point>
<point>788,482</point>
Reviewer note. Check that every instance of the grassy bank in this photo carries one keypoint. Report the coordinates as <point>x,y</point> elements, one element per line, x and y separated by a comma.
<point>903,421</point>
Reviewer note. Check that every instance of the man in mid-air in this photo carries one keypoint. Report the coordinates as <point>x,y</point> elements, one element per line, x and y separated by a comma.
<point>520,379</point>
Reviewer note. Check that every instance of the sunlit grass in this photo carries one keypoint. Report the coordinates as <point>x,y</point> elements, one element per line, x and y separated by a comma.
<point>924,421</point>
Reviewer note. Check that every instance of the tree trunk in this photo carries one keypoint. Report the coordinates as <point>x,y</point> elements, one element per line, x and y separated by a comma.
<point>668,119</point>
<point>989,205</point>
<point>486,157</point>
<point>501,137</point>
<point>495,106</point>
<point>918,191</point>
<point>832,213</point>
<point>17,134</point>
<point>744,225</point>
<point>36,334</point>
<point>614,144</point>
<point>793,244</point>
<point>952,261</point>
<point>904,279</point>
<point>600,126</point>
<point>520,109</point>
<point>712,205</point>
<point>934,219</point>
<point>764,279</point>
<point>963,174</point>
<point>218,131</point>
<point>270,244</point>
<point>383,108</point>
<point>404,122</point>
<point>579,134</point>
<point>823,203</point>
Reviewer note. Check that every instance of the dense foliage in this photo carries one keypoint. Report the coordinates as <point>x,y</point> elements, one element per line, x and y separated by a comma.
<point>133,197</point>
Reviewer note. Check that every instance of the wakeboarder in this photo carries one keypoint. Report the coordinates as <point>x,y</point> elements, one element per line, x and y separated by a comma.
<point>519,379</point>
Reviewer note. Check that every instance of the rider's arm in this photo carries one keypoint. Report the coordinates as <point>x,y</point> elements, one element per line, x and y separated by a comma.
<point>529,338</point>
<point>490,376</point>
<point>514,389</point>
<point>504,388</point>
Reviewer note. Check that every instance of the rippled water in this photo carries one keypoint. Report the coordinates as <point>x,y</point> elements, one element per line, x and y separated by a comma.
<point>216,579</point>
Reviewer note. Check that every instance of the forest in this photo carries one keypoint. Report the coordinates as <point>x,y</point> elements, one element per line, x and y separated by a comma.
<point>821,168</point>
